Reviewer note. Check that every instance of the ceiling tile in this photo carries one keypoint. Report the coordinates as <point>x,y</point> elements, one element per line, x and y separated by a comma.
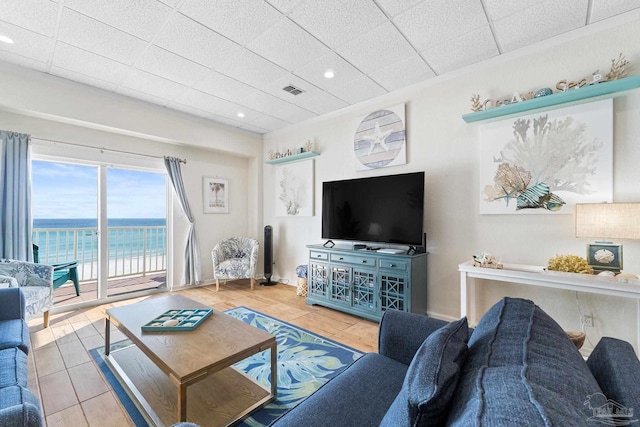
<point>261,101</point>
<point>82,78</point>
<point>172,3</point>
<point>26,43</point>
<point>540,22</point>
<point>141,18</point>
<point>158,61</point>
<point>151,84</point>
<point>142,96</point>
<point>39,16</point>
<point>23,61</point>
<point>194,41</point>
<point>238,20</point>
<point>390,46</point>
<point>395,7</point>
<point>255,129</point>
<point>602,9</point>
<point>314,71</point>
<point>403,73</point>
<point>293,113</point>
<point>467,49</point>
<point>250,68</point>
<point>498,9</point>
<point>203,114</point>
<point>318,101</point>
<point>287,45</point>
<point>94,36</point>
<point>209,103</point>
<point>337,22</point>
<point>435,21</point>
<point>269,123</point>
<point>284,6</point>
<point>223,86</point>
<point>358,90</point>
<point>86,63</point>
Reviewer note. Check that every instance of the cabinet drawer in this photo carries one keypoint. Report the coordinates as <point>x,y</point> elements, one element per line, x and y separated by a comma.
<point>394,265</point>
<point>353,259</point>
<point>319,255</point>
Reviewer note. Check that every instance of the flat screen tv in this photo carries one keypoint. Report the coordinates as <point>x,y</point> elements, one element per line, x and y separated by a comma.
<point>382,209</point>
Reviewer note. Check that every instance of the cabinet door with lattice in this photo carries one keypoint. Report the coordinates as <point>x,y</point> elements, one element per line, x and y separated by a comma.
<point>318,279</point>
<point>393,291</point>
<point>340,284</point>
<point>364,290</point>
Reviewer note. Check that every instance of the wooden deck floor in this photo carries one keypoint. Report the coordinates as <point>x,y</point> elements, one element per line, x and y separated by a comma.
<point>73,391</point>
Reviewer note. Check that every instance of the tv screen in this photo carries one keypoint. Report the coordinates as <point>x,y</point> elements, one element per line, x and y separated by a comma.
<point>384,209</point>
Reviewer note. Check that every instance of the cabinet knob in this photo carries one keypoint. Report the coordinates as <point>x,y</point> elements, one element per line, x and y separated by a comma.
<point>392,265</point>
<point>341,258</point>
<point>364,261</point>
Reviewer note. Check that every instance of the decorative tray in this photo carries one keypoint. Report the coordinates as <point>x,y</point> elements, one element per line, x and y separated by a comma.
<point>185,319</point>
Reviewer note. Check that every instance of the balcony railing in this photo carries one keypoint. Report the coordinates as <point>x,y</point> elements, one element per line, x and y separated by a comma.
<point>132,250</point>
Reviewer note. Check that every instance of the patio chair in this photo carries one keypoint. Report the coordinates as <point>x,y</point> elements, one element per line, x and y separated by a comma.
<point>62,272</point>
<point>36,282</point>
<point>235,258</point>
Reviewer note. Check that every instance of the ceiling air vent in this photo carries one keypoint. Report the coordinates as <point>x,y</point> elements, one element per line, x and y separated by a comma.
<point>292,90</point>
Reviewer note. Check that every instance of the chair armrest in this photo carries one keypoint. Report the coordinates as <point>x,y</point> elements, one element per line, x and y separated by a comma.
<point>401,334</point>
<point>11,304</point>
<point>64,265</point>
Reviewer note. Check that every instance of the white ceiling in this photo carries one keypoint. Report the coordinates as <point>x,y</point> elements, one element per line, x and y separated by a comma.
<point>216,58</point>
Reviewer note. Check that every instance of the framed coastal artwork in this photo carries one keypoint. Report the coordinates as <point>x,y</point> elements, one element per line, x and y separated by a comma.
<point>379,139</point>
<point>215,193</point>
<point>547,162</point>
<point>294,189</point>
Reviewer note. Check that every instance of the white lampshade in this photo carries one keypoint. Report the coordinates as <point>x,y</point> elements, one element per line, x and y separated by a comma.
<point>608,220</point>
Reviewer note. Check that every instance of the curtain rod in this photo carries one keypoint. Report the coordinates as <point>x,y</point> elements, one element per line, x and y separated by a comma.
<point>103,149</point>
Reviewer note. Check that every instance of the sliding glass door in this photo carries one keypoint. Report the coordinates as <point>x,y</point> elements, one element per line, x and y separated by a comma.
<point>112,221</point>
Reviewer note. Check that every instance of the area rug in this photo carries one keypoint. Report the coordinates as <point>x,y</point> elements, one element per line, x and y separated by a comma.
<point>306,361</point>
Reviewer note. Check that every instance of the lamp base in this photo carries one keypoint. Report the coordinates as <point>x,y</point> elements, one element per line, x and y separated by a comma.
<point>604,257</point>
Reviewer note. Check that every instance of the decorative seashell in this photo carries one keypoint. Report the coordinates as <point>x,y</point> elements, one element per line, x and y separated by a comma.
<point>607,273</point>
<point>627,276</point>
<point>173,312</point>
<point>187,312</point>
<point>542,92</point>
<point>188,324</point>
<point>156,324</point>
<point>170,322</point>
<point>196,317</point>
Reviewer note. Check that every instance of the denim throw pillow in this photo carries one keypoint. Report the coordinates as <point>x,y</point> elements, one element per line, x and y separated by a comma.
<point>431,378</point>
<point>522,370</point>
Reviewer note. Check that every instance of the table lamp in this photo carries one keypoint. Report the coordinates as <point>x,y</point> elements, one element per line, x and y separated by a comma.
<point>607,221</point>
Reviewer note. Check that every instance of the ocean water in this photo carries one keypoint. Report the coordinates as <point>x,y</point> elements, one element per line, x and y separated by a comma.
<point>76,238</point>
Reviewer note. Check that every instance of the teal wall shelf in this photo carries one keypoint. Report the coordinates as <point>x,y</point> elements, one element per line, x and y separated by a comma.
<point>570,96</point>
<point>293,158</point>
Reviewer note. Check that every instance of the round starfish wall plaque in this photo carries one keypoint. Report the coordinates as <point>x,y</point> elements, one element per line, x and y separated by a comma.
<point>379,140</point>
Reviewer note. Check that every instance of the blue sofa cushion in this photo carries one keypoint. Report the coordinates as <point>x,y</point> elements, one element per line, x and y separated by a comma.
<point>14,333</point>
<point>13,367</point>
<point>359,396</point>
<point>19,407</point>
<point>431,378</point>
<point>522,370</point>
<point>616,367</point>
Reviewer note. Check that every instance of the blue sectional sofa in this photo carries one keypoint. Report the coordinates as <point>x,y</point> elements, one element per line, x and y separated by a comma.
<point>18,406</point>
<point>517,368</point>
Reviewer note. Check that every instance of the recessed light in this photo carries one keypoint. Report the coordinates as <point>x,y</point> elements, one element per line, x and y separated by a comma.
<point>240,114</point>
<point>5,39</point>
<point>329,74</point>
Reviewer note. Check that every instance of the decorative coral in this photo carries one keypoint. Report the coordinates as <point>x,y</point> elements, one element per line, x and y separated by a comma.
<point>570,264</point>
<point>618,68</point>
<point>475,103</point>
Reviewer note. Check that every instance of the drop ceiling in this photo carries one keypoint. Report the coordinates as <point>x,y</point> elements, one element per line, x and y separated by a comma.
<point>221,58</point>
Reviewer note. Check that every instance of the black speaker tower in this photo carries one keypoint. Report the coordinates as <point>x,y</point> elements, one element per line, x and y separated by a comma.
<point>268,256</point>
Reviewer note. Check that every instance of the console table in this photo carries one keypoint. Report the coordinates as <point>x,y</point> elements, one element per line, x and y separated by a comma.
<point>366,283</point>
<point>539,276</point>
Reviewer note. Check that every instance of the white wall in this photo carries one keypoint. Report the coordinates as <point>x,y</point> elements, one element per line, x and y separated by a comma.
<point>51,108</point>
<point>447,149</point>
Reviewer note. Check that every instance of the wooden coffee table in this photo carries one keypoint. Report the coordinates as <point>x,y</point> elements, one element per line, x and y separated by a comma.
<point>162,369</point>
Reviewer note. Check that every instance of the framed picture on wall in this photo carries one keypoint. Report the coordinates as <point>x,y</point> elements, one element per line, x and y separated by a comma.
<point>215,194</point>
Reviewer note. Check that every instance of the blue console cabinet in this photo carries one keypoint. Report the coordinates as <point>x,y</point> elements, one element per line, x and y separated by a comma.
<point>366,283</point>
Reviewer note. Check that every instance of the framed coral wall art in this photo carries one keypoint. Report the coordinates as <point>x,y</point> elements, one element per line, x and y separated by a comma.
<point>547,162</point>
<point>380,139</point>
<point>215,193</point>
<point>294,189</point>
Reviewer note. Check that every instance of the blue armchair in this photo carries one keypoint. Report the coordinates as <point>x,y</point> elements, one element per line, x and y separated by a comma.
<point>235,258</point>
<point>36,282</point>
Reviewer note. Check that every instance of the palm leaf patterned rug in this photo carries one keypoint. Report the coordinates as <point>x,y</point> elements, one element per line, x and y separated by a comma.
<point>306,361</point>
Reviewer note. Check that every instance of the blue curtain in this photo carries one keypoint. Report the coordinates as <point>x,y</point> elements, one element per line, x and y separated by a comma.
<point>15,196</point>
<point>192,268</point>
